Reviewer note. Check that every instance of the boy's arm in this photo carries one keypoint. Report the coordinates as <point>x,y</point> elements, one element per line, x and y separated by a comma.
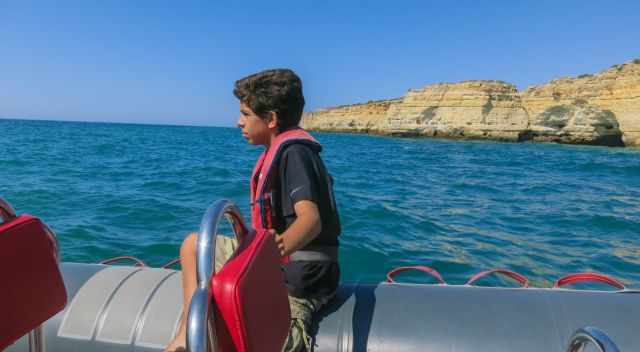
<point>303,230</point>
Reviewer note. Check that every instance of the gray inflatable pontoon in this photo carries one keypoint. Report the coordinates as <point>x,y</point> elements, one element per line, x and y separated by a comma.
<point>122,308</point>
<point>117,309</point>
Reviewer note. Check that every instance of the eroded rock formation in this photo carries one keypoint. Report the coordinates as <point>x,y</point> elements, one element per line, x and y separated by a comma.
<point>601,109</point>
<point>473,109</point>
<point>364,118</point>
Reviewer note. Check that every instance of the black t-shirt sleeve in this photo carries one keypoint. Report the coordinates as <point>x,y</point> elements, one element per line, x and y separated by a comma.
<point>300,174</point>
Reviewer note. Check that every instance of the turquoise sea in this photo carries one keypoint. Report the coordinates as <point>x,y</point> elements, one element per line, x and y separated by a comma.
<point>544,210</point>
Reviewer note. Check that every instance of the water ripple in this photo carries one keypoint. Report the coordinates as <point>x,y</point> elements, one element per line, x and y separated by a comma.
<point>544,210</point>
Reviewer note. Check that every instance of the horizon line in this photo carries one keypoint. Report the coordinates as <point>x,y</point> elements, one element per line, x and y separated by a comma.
<point>48,119</point>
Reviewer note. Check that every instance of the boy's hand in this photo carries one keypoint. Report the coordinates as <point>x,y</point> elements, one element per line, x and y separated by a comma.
<point>302,231</point>
<point>279,241</point>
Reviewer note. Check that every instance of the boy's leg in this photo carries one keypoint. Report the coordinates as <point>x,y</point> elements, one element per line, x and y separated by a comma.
<point>189,283</point>
<point>225,246</point>
<point>302,311</point>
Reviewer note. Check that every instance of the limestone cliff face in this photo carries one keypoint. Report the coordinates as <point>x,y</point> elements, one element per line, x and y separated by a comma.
<point>599,109</point>
<point>576,124</point>
<point>473,109</point>
<point>365,118</point>
<point>610,99</point>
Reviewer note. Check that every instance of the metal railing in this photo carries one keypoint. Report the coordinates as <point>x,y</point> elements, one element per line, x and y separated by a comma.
<point>6,211</point>
<point>200,329</point>
<point>582,337</point>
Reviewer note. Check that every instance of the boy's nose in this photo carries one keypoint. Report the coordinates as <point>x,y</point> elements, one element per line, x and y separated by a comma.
<point>240,122</point>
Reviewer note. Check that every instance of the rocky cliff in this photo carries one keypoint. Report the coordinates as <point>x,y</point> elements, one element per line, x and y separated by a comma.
<point>602,109</point>
<point>588,104</point>
<point>369,117</point>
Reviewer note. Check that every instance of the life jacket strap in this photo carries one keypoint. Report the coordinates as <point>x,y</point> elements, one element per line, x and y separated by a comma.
<point>315,253</point>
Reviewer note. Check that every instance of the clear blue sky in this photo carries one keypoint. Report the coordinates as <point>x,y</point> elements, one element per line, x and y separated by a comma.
<point>175,62</point>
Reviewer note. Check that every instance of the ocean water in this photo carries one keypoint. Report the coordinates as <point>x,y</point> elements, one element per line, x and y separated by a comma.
<point>543,210</point>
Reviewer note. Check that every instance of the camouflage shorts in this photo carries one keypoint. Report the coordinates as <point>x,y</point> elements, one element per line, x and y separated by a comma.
<point>302,309</point>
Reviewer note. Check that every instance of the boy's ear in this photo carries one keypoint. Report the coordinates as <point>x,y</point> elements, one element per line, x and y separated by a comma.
<point>272,119</point>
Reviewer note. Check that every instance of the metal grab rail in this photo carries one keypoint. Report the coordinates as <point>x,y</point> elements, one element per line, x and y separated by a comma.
<point>200,332</point>
<point>582,337</point>
<point>36,337</point>
<point>6,211</point>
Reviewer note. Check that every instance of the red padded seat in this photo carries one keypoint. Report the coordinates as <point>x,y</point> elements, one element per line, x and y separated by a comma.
<point>32,288</point>
<point>252,306</point>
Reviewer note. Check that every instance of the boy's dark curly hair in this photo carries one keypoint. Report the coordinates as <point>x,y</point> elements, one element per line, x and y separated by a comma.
<point>277,90</point>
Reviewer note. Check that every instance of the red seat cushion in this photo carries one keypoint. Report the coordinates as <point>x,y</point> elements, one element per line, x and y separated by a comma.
<point>32,286</point>
<point>252,305</point>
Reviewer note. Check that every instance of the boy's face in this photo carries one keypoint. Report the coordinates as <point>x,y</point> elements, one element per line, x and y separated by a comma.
<point>255,129</point>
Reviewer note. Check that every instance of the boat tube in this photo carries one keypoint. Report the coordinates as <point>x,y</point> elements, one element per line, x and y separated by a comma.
<point>138,308</point>
<point>119,308</point>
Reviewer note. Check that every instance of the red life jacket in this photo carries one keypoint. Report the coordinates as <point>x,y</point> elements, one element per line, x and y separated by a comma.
<point>262,176</point>
<point>262,185</point>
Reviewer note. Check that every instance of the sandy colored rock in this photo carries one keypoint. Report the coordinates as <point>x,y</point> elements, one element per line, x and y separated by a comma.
<point>472,109</point>
<point>576,124</point>
<point>615,91</point>
<point>602,109</point>
<point>364,118</point>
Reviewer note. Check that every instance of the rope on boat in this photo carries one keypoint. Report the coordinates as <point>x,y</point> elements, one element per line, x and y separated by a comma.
<point>137,261</point>
<point>523,280</point>
<point>588,277</point>
<point>512,274</point>
<point>422,268</point>
<point>171,263</point>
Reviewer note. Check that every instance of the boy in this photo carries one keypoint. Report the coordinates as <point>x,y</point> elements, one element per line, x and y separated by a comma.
<point>303,215</point>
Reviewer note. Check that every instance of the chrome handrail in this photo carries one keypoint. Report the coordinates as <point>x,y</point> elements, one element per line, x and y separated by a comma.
<point>200,335</point>
<point>589,334</point>
<point>36,337</point>
<point>54,239</point>
<point>206,249</point>
<point>6,211</point>
<point>36,340</point>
